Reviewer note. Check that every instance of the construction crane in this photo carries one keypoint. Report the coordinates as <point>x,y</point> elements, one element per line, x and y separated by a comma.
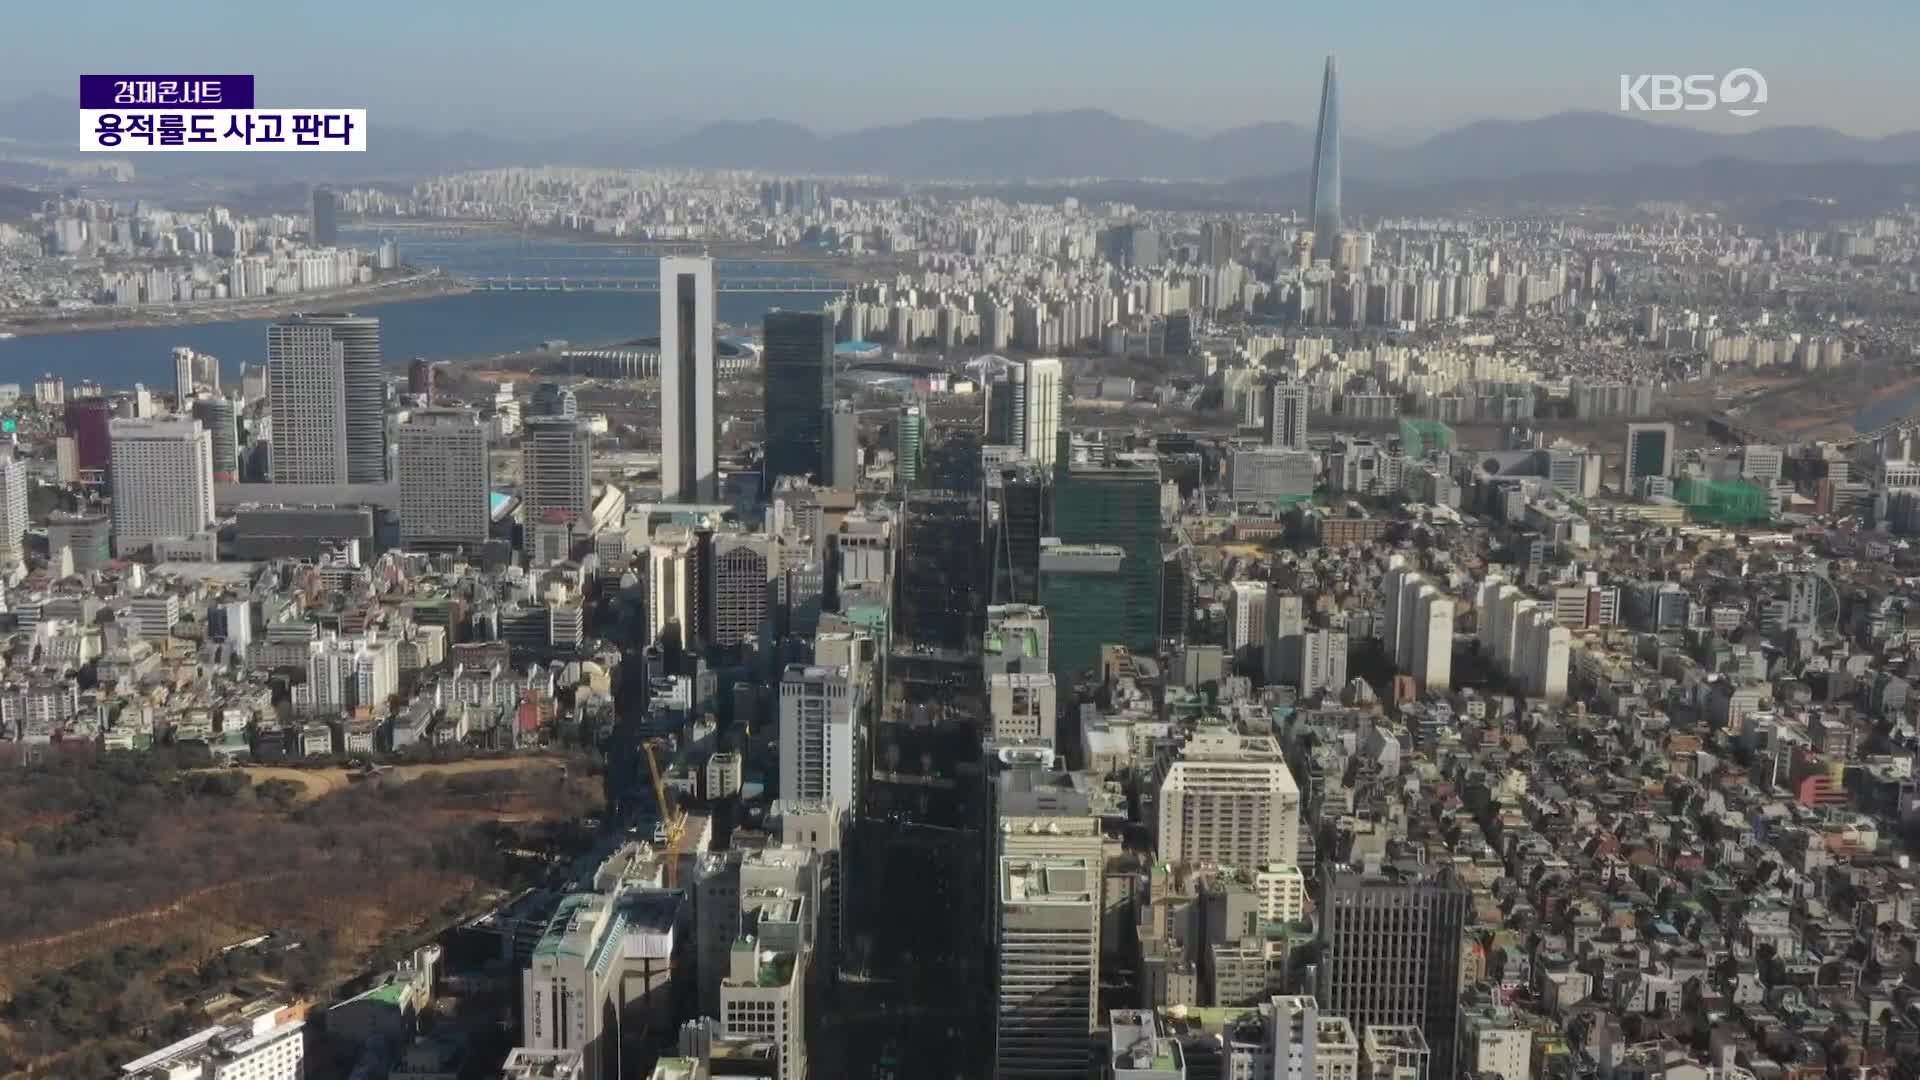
<point>673,820</point>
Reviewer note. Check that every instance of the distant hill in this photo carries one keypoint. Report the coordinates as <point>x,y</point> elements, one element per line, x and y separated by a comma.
<point>1080,143</point>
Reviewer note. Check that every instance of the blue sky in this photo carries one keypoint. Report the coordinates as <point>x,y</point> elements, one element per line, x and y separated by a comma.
<point>655,67</point>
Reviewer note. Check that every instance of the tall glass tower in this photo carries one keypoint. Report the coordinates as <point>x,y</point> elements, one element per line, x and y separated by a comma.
<point>1326,169</point>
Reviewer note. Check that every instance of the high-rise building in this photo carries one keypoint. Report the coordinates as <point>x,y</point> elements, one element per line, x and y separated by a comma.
<point>1287,415</point>
<point>744,566</point>
<point>673,583</point>
<point>556,470</point>
<point>327,396</point>
<point>689,469</point>
<point>1116,503</point>
<point>1023,408</point>
<point>908,444</point>
<point>796,369</point>
<point>182,377</point>
<point>1649,453</point>
<point>570,988</point>
<point>1021,706</point>
<point>1228,800</point>
<point>13,509</point>
<point>420,378</point>
<point>820,735</point>
<point>1017,519</point>
<point>218,416</point>
<point>1081,586</point>
<point>326,215</point>
<point>1047,945</point>
<point>553,399</point>
<point>89,423</point>
<point>1390,948</point>
<point>1326,168</point>
<point>162,482</point>
<point>446,485</point>
<point>846,447</point>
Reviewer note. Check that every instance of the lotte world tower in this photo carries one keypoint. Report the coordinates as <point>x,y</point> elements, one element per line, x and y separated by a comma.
<point>1326,169</point>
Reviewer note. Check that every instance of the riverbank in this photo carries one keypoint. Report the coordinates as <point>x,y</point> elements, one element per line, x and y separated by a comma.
<point>422,286</point>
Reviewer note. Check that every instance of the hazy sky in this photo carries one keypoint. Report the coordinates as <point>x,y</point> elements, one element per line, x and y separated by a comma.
<point>667,66</point>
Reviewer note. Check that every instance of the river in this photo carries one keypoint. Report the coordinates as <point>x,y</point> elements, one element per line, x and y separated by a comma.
<point>471,324</point>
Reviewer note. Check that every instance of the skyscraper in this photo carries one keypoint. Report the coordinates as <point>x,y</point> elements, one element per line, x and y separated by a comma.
<point>162,481</point>
<point>819,735</point>
<point>326,227</point>
<point>1390,944</point>
<point>89,422</point>
<point>1047,944</point>
<point>328,399</point>
<point>446,496</point>
<point>1326,169</point>
<point>689,471</point>
<point>1116,503</point>
<point>1649,453</point>
<point>182,377</point>
<point>741,590</point>
<point>556,469</point>
<point>1287,415</point>
<point>1228,800</point>
<point>797,377</point>
<point>216,414</point>
<point>907,445</point>
<point>13,509</point>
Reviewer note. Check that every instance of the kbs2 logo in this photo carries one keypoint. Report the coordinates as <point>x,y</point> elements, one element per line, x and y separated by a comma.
<point>1741,92</point>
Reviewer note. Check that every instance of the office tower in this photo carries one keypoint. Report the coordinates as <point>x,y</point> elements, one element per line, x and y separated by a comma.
<point>1246,615</point>
<point>673,584</point>
<point>1018,638</point>
<point>1390,945</point>
<point>909,435</point>
<point>820,735</point>
<point>570,989</point>
<point>1228,800</point>
<point>328,399</point>
<point>796,370</point>
<point>1284,632</point>
<point>742,587</point>
<point>1293,1037</point>
<point>1287,415</point>
<point>182,377</point>
<point>1021,706</point>
<point>1649,453</point>
<point>1017,519</point>
<point>846,447</point>
<point>89,423</point>
<point>1323,661</point>
<point>1326,169</point>
<point>689,471</point>
<point>1081,586</point>
<point>446,485</point>
<point>420,378</point>
<point>162,481</point>
<point>326,213</point>
<point>1023,408</point>
<point>1131,245</point>
<point>1115,504</point>
<point>217,416</point>
<point>13,510</point>
<point>1037,812</point>
<point>88,537</point>
<point>556,470</point>
<point>1047,951</point>
<point>552,399</point>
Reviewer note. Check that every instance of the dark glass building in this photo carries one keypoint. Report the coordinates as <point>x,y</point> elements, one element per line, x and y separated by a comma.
<point>1326,169</point>
<point>1390,942</point>
<point>326,218</point>
<point>1082,586</point>
<point>797,373</point>
<point>1115,504</point>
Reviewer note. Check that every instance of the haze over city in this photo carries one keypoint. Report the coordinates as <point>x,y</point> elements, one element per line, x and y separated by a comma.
<point>666,69</point>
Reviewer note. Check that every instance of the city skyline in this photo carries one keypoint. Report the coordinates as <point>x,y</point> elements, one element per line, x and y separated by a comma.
<point>1404,77</point>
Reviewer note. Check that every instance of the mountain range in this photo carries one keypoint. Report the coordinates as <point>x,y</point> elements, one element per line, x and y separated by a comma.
<point>1083,143</point>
